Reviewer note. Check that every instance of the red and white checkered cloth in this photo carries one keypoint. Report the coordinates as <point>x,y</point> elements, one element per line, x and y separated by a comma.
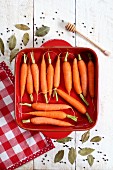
<point>17,146</point>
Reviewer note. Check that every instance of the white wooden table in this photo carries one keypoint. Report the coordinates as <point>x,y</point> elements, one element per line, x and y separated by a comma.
<point>95,20</point>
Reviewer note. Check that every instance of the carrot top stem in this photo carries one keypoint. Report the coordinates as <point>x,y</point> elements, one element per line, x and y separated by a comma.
<point>67,54</point>
<point>56,94</point>
<point>84,100</point>
<point>89,118</point>
<point>32,58</point>
<point>31,97</point>
<point>79,57</point>
<point>72,117</point>
<point>26,121</point>
<point>90,57</point>
<point>26,104</point>
<point>46,99</point>
<point>49,58</point>
<point>25,58</point>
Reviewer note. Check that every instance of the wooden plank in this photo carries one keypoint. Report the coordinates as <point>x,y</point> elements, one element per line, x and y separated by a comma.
<point>54,14</point>
<point>95,20</point>
<point>15,12</point>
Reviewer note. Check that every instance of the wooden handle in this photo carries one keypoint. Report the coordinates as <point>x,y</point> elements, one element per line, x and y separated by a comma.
<point>107,53</point>
<point>72,28</point>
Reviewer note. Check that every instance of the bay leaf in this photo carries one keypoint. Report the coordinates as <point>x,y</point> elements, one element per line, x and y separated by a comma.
<point>2,46</point>
<point>85,136</point>
<point>42,31</point>
<point>12,42</point>
<point>13,54</point>
<point>25,38</point>
<point>90,160</point>
<point>72,155</point>
<point>22,27</point>
<point>85,151</point>
<point>96,139</point>
<point>64,140</point>
<point>59,156</point>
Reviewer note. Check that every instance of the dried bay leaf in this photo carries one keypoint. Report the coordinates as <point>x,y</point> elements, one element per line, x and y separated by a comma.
<point>85,151</point>
<point>25,38</point>
<point>42,31</point>
<point>64,140</point>
<point>85,136</point>
<point>90,160</point>
<point>96,139</point>
<point>59,156</point>
<point>2,46</point>
<point>22,27</point>
<point>12,42</point>
<point>13,54</point>
<point>72,155</point>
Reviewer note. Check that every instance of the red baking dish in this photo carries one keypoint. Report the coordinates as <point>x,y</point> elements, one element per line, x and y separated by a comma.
<point>56,47</point>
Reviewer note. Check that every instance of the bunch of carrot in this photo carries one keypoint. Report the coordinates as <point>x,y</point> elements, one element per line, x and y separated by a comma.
<point>80,77</point>
<point>29,77</point>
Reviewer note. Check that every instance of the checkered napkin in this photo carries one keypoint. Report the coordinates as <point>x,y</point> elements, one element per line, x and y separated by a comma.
<point>17,146</point>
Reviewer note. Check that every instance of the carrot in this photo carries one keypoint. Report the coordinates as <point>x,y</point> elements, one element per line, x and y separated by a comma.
<point>57,76</point>
<point>83,74</point>
<point>67,74</point>
<point>46,120</point>
<point>75,103</point>
<point>46,107</point>
<point>50,75</point>
<point>43,80</point>
<point>29,84</point>
<point>91,76</point>
<point>52,114</point>
<point>57,73</point>
<point>76,81</point>
<point>23,77</point>
<point>35,74</point>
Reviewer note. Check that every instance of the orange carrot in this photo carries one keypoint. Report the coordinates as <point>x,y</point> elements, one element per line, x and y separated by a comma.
<point>57,73</point>
<point>91,76</point>
<point>76,81</point>
<point>46,107</point>
<point>75,103</point>
<point>29,84</point>
<point>46,120</point>
<point>57,76</point>
<point>50,75</point>
<point>52,114</point>
<point>83,74</point>
<point>23,76</point>
<point>35,74</point>
<point>67,74</point>
<point>43,80</point>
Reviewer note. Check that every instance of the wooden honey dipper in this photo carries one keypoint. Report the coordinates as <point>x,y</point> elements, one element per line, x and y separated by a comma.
<point>72,28</point>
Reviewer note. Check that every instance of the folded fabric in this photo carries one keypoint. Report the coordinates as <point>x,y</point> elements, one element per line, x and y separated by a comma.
<point>17,146</point>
